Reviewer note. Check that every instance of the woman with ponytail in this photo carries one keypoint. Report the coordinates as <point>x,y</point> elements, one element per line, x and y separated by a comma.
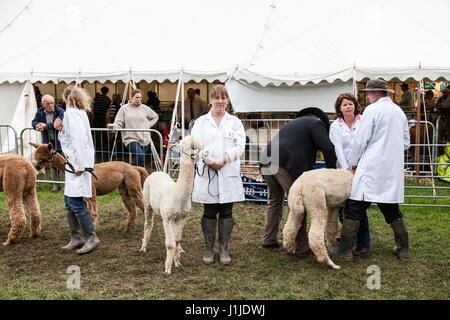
<point>78,148</point>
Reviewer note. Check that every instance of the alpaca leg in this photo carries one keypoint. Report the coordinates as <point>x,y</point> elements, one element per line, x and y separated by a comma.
<point>92,207</point>
<point>32,208</point>
<point>331,230</point>
<point>294,221</point>
<point>129,204</point>
<point>17,218</point>
<point>317,234</point>
<point>178,235</point>
<point>170,246</point>
<point>148,227</point>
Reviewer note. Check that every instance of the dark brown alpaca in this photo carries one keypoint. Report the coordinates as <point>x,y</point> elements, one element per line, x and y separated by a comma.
<point>110,176</point>
<point>18,180</point>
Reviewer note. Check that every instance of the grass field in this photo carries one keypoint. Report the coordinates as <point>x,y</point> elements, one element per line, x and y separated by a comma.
<point>37,269</point>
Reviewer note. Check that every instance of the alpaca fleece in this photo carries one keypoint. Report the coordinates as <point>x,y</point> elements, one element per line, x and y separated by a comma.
<point>320,193</point>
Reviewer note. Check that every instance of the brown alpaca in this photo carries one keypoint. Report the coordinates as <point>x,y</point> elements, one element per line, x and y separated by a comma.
<point>110,176</point>
<point>18,180</point>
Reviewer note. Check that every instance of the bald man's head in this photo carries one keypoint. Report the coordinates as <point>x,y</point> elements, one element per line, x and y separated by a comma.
<point>48,102</point>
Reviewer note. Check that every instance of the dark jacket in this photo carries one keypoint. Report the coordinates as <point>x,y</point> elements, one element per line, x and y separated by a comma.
<point>40,117</point>
<point>298,142</point>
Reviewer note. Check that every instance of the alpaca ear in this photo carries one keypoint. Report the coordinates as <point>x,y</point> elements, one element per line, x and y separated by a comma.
<point>33,144</point>
<point>49,146</point>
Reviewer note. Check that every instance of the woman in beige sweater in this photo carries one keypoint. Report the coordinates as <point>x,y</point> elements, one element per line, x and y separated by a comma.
<point>135,115</point>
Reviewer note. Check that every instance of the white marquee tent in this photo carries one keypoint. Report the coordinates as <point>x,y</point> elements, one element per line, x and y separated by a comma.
<point>277,55</point>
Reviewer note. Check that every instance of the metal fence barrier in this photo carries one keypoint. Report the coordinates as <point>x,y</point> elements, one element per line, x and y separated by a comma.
<point>422,186</point>
<point>108,147</point>
<point>419,188</point>
<point>8,140</point>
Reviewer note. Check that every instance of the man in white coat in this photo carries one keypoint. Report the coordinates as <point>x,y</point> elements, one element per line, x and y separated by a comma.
<point>377,156</point>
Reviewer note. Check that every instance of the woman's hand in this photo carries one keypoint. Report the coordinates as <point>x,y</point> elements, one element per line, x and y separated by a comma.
<point>217,165</point>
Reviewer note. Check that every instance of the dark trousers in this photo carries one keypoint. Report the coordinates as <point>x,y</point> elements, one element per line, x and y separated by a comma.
<point>138,153</point>
<point>225,210</point>
<point>363,236</point>
<point>354,210</point>
<point>279,185</point>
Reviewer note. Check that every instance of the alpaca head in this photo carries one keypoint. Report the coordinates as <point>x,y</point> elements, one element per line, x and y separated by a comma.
<point>43,155</point>
<point>192,147</point>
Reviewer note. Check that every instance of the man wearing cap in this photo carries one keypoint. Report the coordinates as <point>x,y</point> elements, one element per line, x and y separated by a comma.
<point>291,152</point>
<point>377,155</point>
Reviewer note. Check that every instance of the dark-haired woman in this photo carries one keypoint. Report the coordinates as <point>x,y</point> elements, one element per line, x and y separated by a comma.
<point>342,131</point>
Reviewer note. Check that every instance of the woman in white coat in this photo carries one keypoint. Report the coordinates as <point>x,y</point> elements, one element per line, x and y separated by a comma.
<point>78,148</point>
<point>342,131</point>
<point>218,183</point>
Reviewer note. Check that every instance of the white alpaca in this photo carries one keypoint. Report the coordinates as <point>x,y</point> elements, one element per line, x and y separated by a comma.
<point>320,192</point>
<point>172,200</point>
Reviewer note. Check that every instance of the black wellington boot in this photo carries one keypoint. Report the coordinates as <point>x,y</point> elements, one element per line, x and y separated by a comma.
<point>225,229</point>
<point>209,227</point>
<point>401,249</point>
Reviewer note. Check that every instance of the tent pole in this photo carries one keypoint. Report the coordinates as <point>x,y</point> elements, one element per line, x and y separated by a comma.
<point>182,105</point>
<point>172,125</point>
<point>417,148</point>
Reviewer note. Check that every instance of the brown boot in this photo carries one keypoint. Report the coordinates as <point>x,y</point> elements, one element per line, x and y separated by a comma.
<point>209,227</point>
<point>225,229</point>
<point>401,249</point>
<point>348,238</point>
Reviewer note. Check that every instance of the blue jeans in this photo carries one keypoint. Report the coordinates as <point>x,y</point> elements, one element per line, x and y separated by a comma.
<point>363,236</point>
<point>138,153</point>
<point>76,205</point>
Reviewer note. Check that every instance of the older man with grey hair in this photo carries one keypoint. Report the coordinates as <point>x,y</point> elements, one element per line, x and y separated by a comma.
<point>44,122</point>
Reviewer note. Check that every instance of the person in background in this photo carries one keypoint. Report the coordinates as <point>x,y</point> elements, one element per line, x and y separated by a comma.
<point>290,153</point>
<point>114,107</point>
<point>377,155</point>
<point>78,148</point>
<point>342,131</point>
<point>153,101</point>
<point>44,122</point>
<point>405,100</point>
<point>218,184</point>
<point>193,108</point>
<point>101,106</point>
<point>135,115</point>
<point>429,104</point>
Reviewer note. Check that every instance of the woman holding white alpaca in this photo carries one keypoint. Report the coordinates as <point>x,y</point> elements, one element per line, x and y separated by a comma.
<point>218,182</point>
<point>342,131</point>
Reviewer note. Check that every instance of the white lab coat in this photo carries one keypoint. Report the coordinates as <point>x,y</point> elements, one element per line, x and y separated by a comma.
<point>378,150</point>
<point>78,148</point>
<point>341,136</point>
<point>228,137</point>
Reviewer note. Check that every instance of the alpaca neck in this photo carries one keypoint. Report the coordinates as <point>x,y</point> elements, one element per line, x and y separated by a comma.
<point>185,180</point>
<point>59,161</point>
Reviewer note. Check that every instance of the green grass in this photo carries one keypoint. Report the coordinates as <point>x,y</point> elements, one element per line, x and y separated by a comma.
<point>36,268</point>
